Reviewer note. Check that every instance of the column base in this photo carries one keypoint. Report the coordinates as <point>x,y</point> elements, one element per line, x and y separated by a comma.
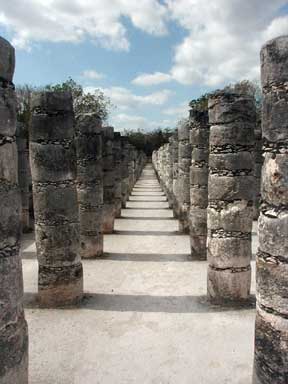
<point>91,247</point>
<point>108,219</point>
<point>228,285</point>
<point>198,247</point>
<point>14,353</point>
<point>60,286</point>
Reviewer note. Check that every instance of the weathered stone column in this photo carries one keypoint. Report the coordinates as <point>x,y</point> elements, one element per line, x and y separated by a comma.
<point>271,333</point>
<point>90,184</point>
<point>170,173</point>
<point>175,173</point>
<point>258,162</point>
<point>117,149</point>
<point>53,166</point>
<point>230,198</point>
<point>23,174</point>
<point>108,180</point>
<point>13,327</point>
<point>124,171</point>
<point>130,167</point>
<point>162,159</point>
<point>167,169</point>
<point>199,140</point>
<point>184,153</point>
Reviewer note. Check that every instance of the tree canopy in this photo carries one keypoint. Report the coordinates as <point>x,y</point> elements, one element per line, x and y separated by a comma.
<point>148,141</point>
<point>85,102</point>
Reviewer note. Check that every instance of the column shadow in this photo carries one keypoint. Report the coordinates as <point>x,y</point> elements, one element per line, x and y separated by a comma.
<point>147,303</point>
<point>147,233</point>
<point>147,257</point>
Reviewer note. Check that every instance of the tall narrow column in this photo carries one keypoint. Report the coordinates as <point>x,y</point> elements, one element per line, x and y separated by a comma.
<point>13,327</point>
<point>175,173</point>
<point>271,333</point>
<point>199,140</point>
<point>231,190</point>
<point>108,180</point>
<point>184,176</point>
<point>90,184</point>
<point>130,168</point>
<point>170,173</point>
<point>117,148</point>
<point>124,171</point>
<point>53,166</point>
<point>23,174</point>
<point>258,162</point>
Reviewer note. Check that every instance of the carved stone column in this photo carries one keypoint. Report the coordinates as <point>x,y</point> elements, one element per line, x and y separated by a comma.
<point>53,167</point>
<point>184,156</point>
<point>271,333</point>
<point>199,140</point>
<point>108,180</point>
<point>23,174</point>
<point>117,150</point>
<point>13,326</point>
<point>230,198</point>
<point>90,184</point>
<point>124,171</point>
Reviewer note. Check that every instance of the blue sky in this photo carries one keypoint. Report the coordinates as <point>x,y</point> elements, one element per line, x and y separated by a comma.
<point>149,57</point>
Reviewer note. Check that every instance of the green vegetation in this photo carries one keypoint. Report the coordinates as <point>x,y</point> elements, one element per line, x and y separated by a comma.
<point>148,141</point>
<point>85,102</point>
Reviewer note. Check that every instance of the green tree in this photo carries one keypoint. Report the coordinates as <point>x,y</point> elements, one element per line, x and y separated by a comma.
<point>148,141</point>
<point>84,102</point>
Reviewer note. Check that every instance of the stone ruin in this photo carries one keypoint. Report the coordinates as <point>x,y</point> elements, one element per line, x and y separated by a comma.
<point>271,331</point>
<point>199,140</point>
<point>90,184</point>
<point>83,173</point>
<point>13,326</point>
<point>53,162</point>
<point>74,162</point>
<point>236,194</point>
<point>232,120</point>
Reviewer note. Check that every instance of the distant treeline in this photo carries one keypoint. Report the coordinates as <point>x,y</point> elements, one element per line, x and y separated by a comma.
<point>148,141</point>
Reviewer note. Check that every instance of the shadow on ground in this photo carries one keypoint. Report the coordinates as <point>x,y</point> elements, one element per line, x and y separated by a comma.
<point>146,303</point>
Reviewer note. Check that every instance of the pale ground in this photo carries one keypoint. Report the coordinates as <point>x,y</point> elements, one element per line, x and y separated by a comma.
<point>145,318</point>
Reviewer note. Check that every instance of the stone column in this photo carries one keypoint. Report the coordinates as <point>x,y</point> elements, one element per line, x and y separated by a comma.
<point>13,326</point>
<point>90,184</point>
<point>199,140</point>
<point>230,198</point>
<point>117,149</point>
<point>184,153</point>
<point>175,173</point>
<point>162,160</point>
<point>108,180</point>
<point>23,174</point>
<point>167,168</point>
<point>53,167</point>
<point>170,173</point>
<point>130,168</point>
<point>124,171</point>
<point>258,162</point>
<point>271,333</point>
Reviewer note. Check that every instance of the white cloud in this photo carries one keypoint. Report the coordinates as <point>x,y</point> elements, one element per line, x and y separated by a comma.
<point>75,20</point>
<point>92,75</point>
<point>155,78</point>
<point>278,27</point>
<point>124,99</point>
<point>223,38</point>
<point>123,121</point>
<point>179,111</point>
